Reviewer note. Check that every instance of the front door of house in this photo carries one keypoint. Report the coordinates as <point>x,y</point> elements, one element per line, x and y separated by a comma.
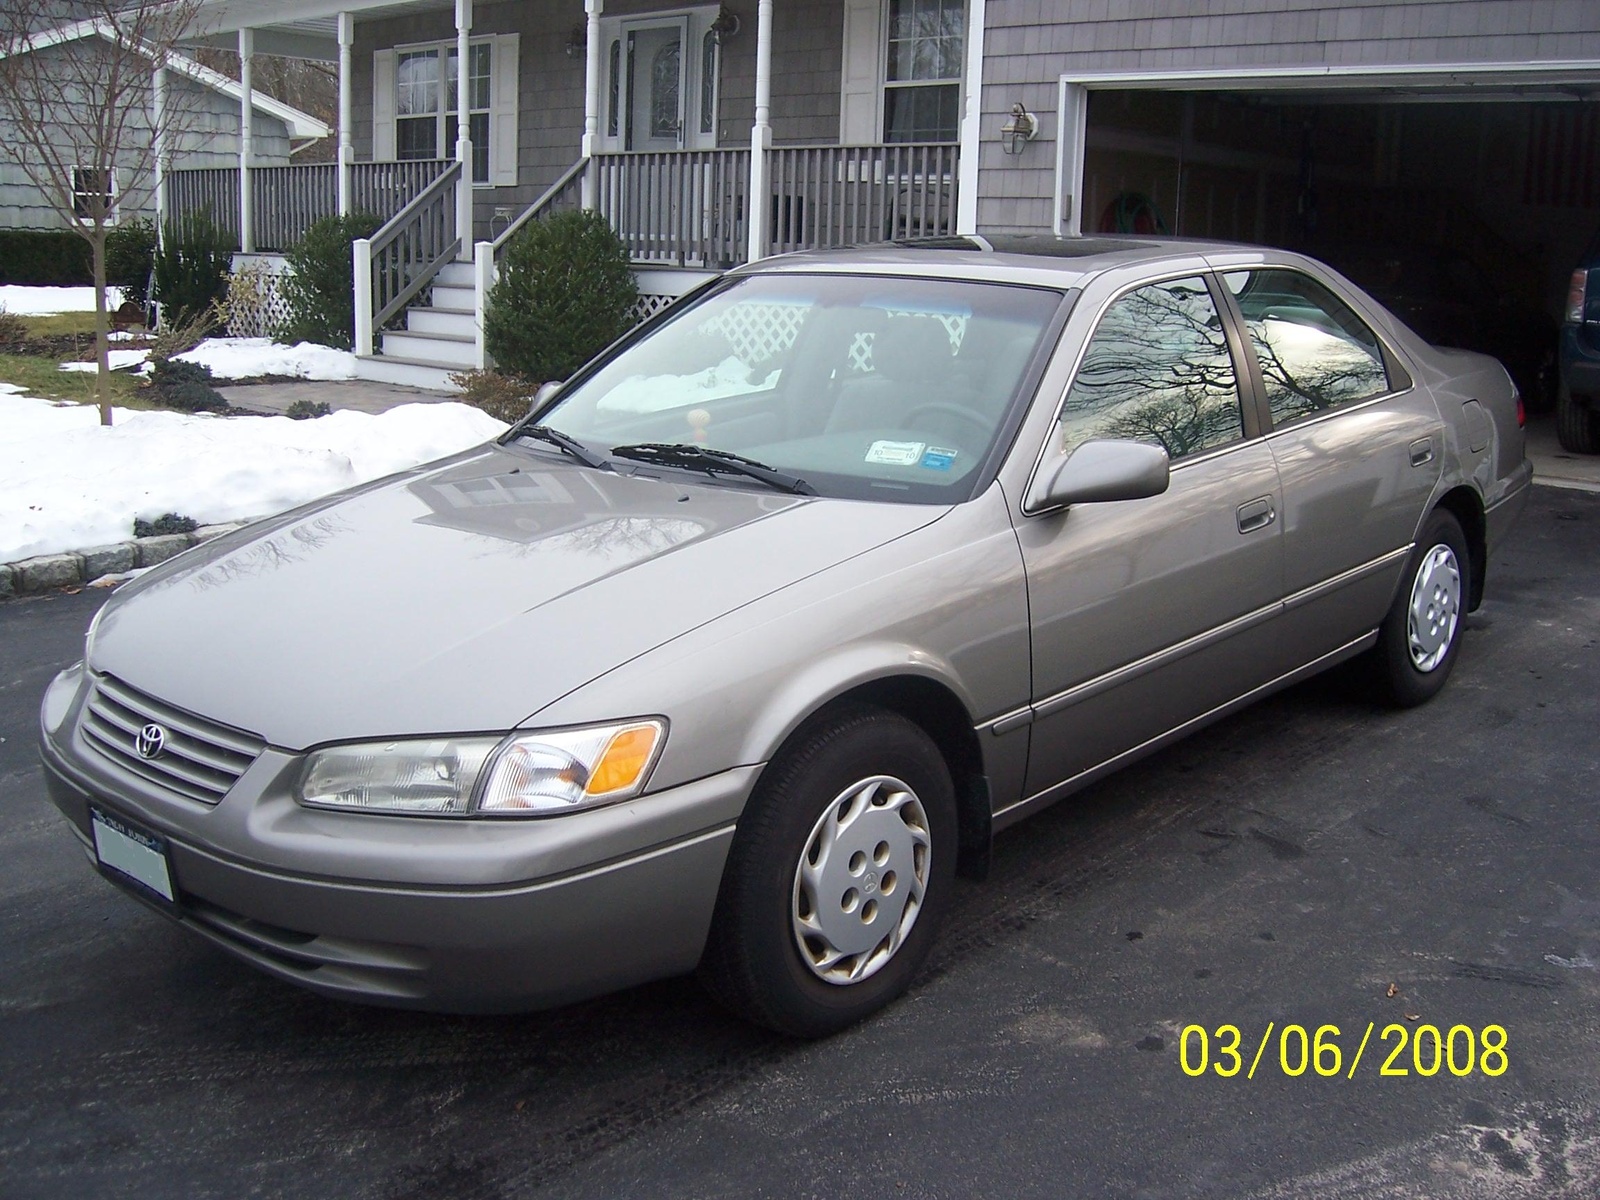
<point>656,74</point>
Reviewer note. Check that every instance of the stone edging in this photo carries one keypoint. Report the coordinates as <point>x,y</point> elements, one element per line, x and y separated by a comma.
<point>50,571</point>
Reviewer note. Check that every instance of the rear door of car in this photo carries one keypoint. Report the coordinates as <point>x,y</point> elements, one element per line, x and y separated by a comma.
<point>1148,613</point>
<point>1358,447</point>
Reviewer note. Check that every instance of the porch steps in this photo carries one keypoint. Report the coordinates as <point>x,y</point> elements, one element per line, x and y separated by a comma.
<point>439,338</point>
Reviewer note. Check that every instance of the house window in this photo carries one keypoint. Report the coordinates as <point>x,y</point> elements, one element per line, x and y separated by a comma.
<point>922,78</point>
<point>93,194</point>
<point>425,104</point>
<point>708,83</point>
<point>614,103</point>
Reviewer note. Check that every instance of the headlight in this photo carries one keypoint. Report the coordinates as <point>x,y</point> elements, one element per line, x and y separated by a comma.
<point>525,774</point>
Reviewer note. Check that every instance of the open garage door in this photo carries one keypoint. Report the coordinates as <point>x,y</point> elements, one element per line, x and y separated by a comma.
<point>1479,177</point>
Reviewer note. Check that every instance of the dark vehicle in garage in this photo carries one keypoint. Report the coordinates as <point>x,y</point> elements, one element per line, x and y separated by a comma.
<point>1578,404</point>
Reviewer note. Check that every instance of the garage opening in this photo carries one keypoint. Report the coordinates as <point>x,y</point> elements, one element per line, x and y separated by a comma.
<point>1464,204</point>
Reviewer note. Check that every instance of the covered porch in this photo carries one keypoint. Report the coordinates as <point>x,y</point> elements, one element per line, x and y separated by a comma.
<point>708,136</point>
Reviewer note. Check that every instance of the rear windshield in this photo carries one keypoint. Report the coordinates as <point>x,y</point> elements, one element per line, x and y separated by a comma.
<point>865,387</point>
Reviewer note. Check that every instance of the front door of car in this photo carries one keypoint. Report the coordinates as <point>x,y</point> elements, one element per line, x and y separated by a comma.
<point>1358,447</point>
<point>1149,613</point>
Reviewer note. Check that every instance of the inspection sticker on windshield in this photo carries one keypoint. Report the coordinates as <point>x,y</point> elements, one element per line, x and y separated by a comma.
<point>896,454</point>
<point>938,458</point>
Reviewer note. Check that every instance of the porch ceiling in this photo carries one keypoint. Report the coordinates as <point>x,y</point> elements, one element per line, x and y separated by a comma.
<point>294,28</point>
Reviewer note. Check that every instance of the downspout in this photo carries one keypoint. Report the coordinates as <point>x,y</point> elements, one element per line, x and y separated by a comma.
<point>158,119</point>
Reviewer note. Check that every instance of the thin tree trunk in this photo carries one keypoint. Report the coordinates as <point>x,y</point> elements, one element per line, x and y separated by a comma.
<point>102,342</point>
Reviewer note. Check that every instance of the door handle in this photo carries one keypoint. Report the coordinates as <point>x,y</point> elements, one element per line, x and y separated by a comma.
<point>1256,514</point>
<point>1422,452</point>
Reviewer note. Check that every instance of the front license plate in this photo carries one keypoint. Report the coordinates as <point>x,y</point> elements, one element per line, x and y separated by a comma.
<point>132,853</point>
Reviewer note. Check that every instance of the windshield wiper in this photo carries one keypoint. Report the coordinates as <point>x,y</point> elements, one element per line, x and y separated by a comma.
<point>704,458</point>
<point>567,444</point>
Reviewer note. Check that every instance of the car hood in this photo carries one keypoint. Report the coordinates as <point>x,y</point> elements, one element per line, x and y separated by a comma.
<point>464,596</point>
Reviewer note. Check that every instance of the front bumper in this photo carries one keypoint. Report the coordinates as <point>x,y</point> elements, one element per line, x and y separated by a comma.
<point>447,915</point>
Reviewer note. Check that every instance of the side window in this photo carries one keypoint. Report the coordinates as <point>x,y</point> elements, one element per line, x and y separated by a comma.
<point>1315,353</point>
<point>1157,370</point>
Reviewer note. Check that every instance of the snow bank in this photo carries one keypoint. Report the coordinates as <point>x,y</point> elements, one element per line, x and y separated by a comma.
<point>48,301</point>
<point>67,483</point>
<point>118,359</point>
<point>246,358</point>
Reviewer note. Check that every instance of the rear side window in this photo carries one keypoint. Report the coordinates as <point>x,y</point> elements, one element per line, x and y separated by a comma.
<point>1157,370</point>
<point>1315,353</point>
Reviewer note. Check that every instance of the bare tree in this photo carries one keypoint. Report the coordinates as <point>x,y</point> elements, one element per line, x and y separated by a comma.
<point>77,113</point>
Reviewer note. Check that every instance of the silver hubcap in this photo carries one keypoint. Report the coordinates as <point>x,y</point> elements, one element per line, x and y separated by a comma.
<point>859,883</point>
<point>1435,608</point>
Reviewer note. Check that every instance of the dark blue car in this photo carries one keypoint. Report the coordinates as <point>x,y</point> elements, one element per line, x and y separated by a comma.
<point>1578,404</point>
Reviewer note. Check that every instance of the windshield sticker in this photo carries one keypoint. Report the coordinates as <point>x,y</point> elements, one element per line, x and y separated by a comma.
<point>895,454</point>
<point>937,458</point>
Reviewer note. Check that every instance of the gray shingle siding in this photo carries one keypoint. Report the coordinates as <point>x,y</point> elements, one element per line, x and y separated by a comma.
<point>1029,45</point>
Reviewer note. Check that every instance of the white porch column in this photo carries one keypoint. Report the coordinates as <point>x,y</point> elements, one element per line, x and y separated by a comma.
<point>464,127</point>
<point>971,124</point>
<point>158,125</point>
<point>347,150</point>
<point>592,76</point>
<point>760,203</point>
<point>247,134</point>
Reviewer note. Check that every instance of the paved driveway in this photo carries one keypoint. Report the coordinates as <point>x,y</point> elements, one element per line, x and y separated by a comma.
<point>1287,866</point>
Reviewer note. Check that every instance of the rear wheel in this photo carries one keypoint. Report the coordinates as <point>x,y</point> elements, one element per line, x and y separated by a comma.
<point>838,877</point>
<point>1418,640</point>
<point>1577,425</point>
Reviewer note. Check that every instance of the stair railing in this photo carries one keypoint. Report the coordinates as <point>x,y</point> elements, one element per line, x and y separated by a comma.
<point>402,257</point>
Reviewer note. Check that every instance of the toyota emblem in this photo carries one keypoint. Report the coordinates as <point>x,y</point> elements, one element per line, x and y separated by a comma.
<point>151,741</point>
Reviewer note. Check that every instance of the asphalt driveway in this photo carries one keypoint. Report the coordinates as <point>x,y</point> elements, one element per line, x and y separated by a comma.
<point>1292,866</point>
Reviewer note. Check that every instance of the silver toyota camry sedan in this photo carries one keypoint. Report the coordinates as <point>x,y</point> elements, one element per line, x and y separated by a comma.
<point>751,636</point>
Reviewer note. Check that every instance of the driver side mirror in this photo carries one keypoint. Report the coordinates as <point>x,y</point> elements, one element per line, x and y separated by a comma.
<point>1099,471</point>
<point>547,389</point>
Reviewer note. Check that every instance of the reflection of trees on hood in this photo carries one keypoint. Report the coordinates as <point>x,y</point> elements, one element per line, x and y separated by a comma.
<point>1158,370</point>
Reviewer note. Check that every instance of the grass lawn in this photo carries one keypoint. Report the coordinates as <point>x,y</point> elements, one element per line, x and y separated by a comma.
<point>42,378</point>
<point>61,324</point>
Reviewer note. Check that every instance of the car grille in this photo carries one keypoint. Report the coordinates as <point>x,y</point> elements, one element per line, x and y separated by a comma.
<point>199,759</point>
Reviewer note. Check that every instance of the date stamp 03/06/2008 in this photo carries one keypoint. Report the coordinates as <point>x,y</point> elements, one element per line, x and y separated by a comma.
<point>1298,1050</point>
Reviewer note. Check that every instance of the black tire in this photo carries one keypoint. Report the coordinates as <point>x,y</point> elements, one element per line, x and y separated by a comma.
<point>1406,674</point>
<point>1577,425</point>
<point>754,962</point>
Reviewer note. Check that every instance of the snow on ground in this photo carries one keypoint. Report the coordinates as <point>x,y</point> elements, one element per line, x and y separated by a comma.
<point>245,358</point>
<point>27,301</point>
<point>117,358</point>
<point>67,483</point>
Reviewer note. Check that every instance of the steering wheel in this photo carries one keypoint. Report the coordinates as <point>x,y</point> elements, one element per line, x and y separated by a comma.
<point>983,424</point>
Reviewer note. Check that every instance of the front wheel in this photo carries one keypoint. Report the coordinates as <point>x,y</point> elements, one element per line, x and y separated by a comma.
<point>838,877</point>
<point>1418,640</point>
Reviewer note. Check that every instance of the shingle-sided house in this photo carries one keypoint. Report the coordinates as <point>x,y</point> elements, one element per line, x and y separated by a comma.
<point>709,134</point>
<point>204,133</point>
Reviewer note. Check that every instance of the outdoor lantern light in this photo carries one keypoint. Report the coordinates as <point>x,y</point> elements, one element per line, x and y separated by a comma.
<point>725,26</point>
<point>577,41</point>
<point>1018,130</point>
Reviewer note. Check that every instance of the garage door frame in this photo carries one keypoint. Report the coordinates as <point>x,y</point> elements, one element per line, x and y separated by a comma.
<point>1468,81</point>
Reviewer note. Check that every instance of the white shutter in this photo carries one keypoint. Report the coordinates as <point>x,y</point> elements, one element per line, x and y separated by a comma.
<point>861,80</point>
<point>503,149</point>
<point>383,106</point>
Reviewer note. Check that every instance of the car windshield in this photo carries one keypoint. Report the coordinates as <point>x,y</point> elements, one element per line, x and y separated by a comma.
<point>862,387</point>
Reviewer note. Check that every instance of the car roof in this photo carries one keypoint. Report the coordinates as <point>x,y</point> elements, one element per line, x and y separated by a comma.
<point>1005,258</point>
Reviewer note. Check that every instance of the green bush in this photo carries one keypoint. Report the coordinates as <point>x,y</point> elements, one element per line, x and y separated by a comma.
<point>45,258</point>
<point>564,294</point>
<point>319,287</point>
<point>164,524</point>
<point>185,386</point>
<point>130,257</point>
<point>191,270</point>
<point>305,410</point>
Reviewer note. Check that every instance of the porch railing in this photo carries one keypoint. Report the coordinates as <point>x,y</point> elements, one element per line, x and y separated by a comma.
<point>212,192</point>
<point>683,207</point>
<point>402,258</point>
<point>286,200</point>
<point>843,195</point>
